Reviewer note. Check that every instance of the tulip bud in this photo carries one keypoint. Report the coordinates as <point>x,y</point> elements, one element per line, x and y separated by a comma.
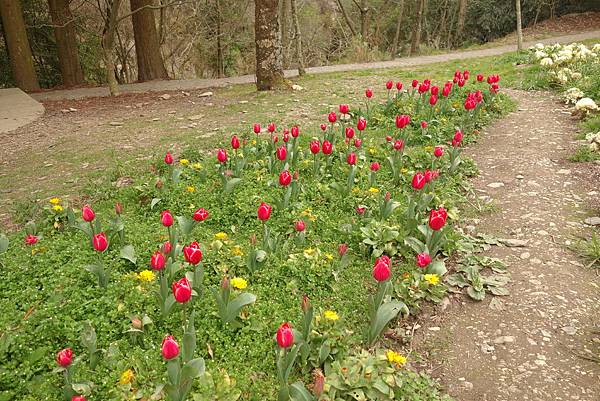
<point>157,261</point>
<point>166,218</point>
<point>319,383</point>
<point>31,239</point>
<point>305,305</point>
<point>168,158</point>
<point>64,357</point>
<point>361,210</point>
<point>438,151</point>
<point>388,196</point>
<point>388,138</point>
<point>349,132</point>
<point>332,117</point>
<point>271,127</point>
<point>375,166</point>
<point>222,155</point>
<point>323,127</point>
<point>327,147</point>
<point>286,137</point>
<point>264,211</point>
<point>399,86</point>
<point>315,147</point>
<point>344,108</point>
<point>342,249</point>
<point>281,153</point>
<point>275,139</point>
<point>170,348</point>
<point>225,283</point>
<point>136,323</point>
<point>295,131</point>
<point>362,124</point>
<point>351,159</point>
<point>295,175</point>
<point>389,85</point>
<point>285,336</point>
<point>432,100</point>
<point>253,239</point>
<point>182,291</point>
<point>256,128</point>
<point>100,242</point>
<point>300,226</point>
<point>399,144</point>
<point>235,142</point>
<point>435,90</point>
<point>415,83</point>
<point>368,93</point>
<point>118,208</point>
<point>87,213</point>
<point>158,184</point>
<point>423,124</point>
<point>357,142</point>
<point>166,248</point>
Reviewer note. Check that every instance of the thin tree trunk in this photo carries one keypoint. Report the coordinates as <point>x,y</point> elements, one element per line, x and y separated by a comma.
<point>147,45</point>
<point>108,42</point>
<point>519,31</point>
<point>220,63</point>
<point>443,22</point>
<point>462,14</point>
<point>346,18</point>
<point>298,38</point>
<point>285,31</point>
<point>398,27</point>
<point>66,42</point>
<point>17,44</point>
<point>416,39</point>
<point>364,12</point>
<point>269,64</point>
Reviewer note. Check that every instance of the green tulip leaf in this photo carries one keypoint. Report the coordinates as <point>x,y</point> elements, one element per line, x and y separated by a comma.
<point>437,267</point>
<point>189,340</point>
<point>154,202</point>
<point>231,184</point>
<point>128,252</point>
<point>235,306</point>
<point>385,313</point>
<point>298,392</point>
<point>193,369</point>
<point>186,225</point>
<point>3,243</point>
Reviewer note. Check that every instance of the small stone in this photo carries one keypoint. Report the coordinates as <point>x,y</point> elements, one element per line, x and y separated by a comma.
<point>487,349</point>
<point>115,123</point>
<point>184,93</point>
<point>570,330</point>
<point>495,185</point>
<point>156,119</point>
<point>166,96</point>
<point>467,385</point>
<point>519,177</point>
<point>243,102</point>
<point>564,171</point>
<point>525,255</point>
<point>592,221</point>
<point>196,117</point>
<point>72,109</point>
<point>435,328</point>
<point>297,87</point>
<point>124,182</point>
<point>513,243</point>
<point>504,340</point>
<point>205,94</point>
<point>545,333</point>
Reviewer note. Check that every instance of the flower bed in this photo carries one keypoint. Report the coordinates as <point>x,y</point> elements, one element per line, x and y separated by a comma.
<point>261,270</point>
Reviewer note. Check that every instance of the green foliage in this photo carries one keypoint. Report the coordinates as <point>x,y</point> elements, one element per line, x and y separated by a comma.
<point>589,249</point>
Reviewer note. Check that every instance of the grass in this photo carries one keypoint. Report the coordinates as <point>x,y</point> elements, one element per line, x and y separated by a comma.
<point>589,250</point>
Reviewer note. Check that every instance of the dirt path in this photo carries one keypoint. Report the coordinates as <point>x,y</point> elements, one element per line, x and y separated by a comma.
<point>196,84</point>
<point>527,350</point>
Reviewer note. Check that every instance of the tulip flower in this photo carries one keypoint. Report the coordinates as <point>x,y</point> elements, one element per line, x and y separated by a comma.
<point>170,348</point>
<point>423,124</point>
<point>375,166</point>
<point>399,86</point>
<point>323,127</point>
<point>361,210</point>
<point>315,147</point>
<point>437,218</point>
<point>87,213</point>
<point>446,91</point>
<point>222,155</point>
<point>349,131</point>
<point>381,270</point>
<point>166,218</point>
<point>168,158</point>
<point>99,242</point>
<point>362,124</point>
<point>332,117</point>
<point>31,239</point>
<point>344,108</point>
<point>200,214</point>
<point>389,85</point>
<point>285,335</point>
<point>351,159</point>
<point>118,208</point>
<point>64,357</point>
<point>458,136</point>
<point>438,151</point>
<point>264,211</point>
<point>157,261</point>
<point>435,90</point>
<point>285,178</point>
<point>423,259</point>
<point>428,176</point>
<point>479,77</point>
<point>418,181</point>
<point>235,142</point>
<point>271,127</point>
<point>327,147</point>
<point>399,144</point>
<point>192,253</point>
<point>281,153</point>
<point>342,249</point>
<point>295,131</point>
<point>415,83</point>
<point>461,83</point>
<point>402,121</point>
<point>182,291</point>
<point>256,128</point>
<point>300,225</point>
<point>166,248</point>
<point>275,139</point>
<point>388,138</point>
<point>432,100</point>
<point>78,398</point>
<point>357,142</point>
<point>369,93</point>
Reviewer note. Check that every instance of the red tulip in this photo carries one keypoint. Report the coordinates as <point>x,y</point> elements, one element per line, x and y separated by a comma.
<point>87,213</point>
<point>170,348</point>
<point>275,139</point>
<point>415,83</point>
<point>342,249</point>
<point>438,151</point>
<point>78,398</point>
<point>168,158</point>
<point>31,239</point>
<point>271,127</point>
<point>286,137</point>
<point>295,131</point>
<point>389,85</point>
<point>349,132</point>
<point>281,153</point>
<point>300,225</point>
<point>435,90</point>
<point>423,259</point>
<point>315,146</point>
<point>399,86</point>
<point>479,77</point>
<point>192,253</point>
<point>118,208</point>
<point>323,127</point>
<point>428,176</point>
<point>99,242</point>
<point>385,259</point>
<point>361,210</point>
<point>256,128</point>
<point>461,83</point>
<point>388,138</point>
<point>423,124</point>
<point>344,108</point>
<point>166,248</point>
<point>285,178</point>
<point>399,144</point>
<point>351,159</point>
<point>437,218</point>
<point>235,142</point>
<point>332,117</point>
<point>446,91</point>
<point>381,270</point>
<point>432,100</point>
<point>423,88</point>
<point>369,93</point>
<point>200,214</point>
<point>327,147</point>
<point>166,218</point>
<point>357,142</point>
<point>375,166</point>
<point>402,121</point>
<point>362,124</point>
<point>221,155</point>
<point>418,181</point>
<point>285,335</point>
<point>157,261</point>
<point>458,136</point>
<point>182,291</point>
<point>64,357</point>
<point>264,211</point>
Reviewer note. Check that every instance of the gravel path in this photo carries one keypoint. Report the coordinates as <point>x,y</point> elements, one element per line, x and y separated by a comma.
<point>191,84</point>
<point>532,348</point>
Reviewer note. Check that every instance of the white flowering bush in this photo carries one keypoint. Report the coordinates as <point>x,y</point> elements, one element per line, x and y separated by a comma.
<point>586,105</point>
<point>593,140</point>
<point>572,95</point>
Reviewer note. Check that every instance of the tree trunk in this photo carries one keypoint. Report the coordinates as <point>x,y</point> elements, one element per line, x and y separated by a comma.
<point>462,14</point>
<point>108,42</point>
<point>17,44</point>
<point>220,62</point>
<point>147,46</point>
<point>398,27</point>
<point>66,42</point>
<point>416,39</point>
<point>269,65</point>
<point>285,31</point>
<point>346,18</point>
<point>298,39</point>
<point>364,12</point>
<point>519,32</point>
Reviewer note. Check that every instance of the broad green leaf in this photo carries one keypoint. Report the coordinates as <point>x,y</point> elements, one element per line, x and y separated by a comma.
<point>193,368</point>
<point>128,252</point>
<point>437,267</point>
<point>189,340</point>
<point>298,392</point>
<point>384,315</point>
<point>231,184</point>
<point>415,244</point>
<point>476,295</point>
<point>235,306</point>
<point>186,225</point>
<point>457,280</point>
<point>88,337</point>
<point>3,243</point>
<point>154,202</point>
<point>499,291</point>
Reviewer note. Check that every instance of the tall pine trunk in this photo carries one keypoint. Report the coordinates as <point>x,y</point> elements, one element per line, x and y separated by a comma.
<point>66,42</point>
<point>416,38</point>
<point>284,20</point>
<point>147,45</point>
<point>269,65</point>
<point>108,44</point>
<point>298,39</point>
<point>398,27</point>
<point>462,14</point>
<point>519,31</point>
<point>19,52</point>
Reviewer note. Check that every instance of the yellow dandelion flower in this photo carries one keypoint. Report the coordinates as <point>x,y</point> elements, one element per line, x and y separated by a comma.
<point>57,208</point>
<point>237,251</point>
<point>395,358</point>
<point>309,251</point>
<point>404,170</point>
<point>197,166</point>
<point>331,315</point>
<point>54,201</point>
<point>432,279</point>
<point>329,256</point>
<point>221,235</point>
<point>428,149</point>
<point>373,151</point>
<point>190,189</point>
<point>253,142</point>
<point>355,190</point>
<point>239,283</point>
<point>127,377</point>
<point>306,162</point>
<point>146,275</point>
<point>374,190</point>
<point>185,162</point>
